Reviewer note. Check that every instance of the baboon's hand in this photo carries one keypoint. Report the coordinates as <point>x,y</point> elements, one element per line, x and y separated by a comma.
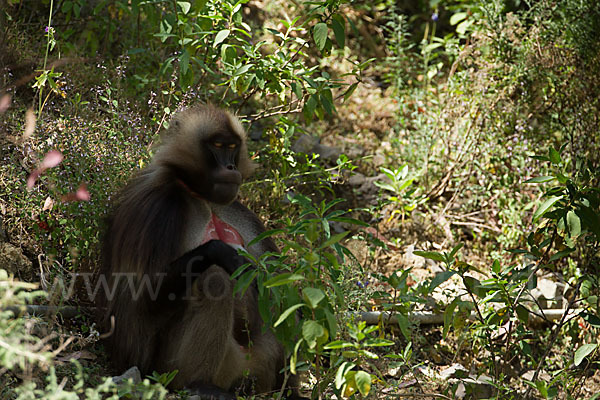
<point>219,253</point>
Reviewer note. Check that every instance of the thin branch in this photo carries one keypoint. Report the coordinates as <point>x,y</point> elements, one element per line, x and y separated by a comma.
<point>422,395</point>
<point>478,225</point>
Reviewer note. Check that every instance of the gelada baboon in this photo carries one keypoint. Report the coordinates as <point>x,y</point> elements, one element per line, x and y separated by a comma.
<point>169,253</point>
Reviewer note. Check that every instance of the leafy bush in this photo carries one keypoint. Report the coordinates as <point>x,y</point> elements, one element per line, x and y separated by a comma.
<point>23,351</point>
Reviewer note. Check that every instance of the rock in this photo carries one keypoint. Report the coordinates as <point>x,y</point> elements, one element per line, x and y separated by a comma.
<point>475,388</point>
<point>304,144</point>
<point>132,373</point>
<point>552,291</point>
<point>549,294</point>
<point>256,131</point>
<point>357,179</point>
<point>14,262</point>
<point>337,227</point>
<point>215,396</point>
<point>537,295</point>
<point>378,160</point>
<point>411,260</point>
<point>328,153</point>
<point>308,144</point>
<point>427,371</point>
<point>369,185</point>
<point>544,376</point>
<point>456,370</point>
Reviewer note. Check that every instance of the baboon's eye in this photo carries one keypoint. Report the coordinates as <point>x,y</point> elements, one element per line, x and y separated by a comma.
<point>218,144</point>
<point>231,145</point>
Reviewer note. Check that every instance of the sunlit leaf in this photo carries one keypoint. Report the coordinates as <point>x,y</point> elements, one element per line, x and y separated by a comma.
<point>221,36</point>
<point>185,6</point>
<point>574,224</point>
<point>312,296</point>
<point>583,351</point>
<point>363,382</point>
<point>287,313</point>
<point>313,332</point>
<point>338,344</point>
<point>545,206</point>
<point>283,279</point>
<point>456,18</point>
<point>340,376</point>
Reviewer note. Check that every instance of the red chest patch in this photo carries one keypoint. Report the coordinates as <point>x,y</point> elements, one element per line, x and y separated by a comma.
<point>218,229</point>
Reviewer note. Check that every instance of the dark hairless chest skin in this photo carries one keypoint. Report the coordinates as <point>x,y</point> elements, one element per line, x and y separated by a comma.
<point>175,228</point>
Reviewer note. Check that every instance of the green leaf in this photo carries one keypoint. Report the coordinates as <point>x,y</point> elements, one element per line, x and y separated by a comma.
<point>333,240</point>
<point>312,296</point>
<point>339,29</point>
<point>294,357</point>
<point>222,35</point>
<point>432,255</point>
<point>590,219</point>
<point>474,286</point>
<point>331,321</point>
<point>448,315</point>
<point>297,89</point>
<point>522,313</point>
<point>591,319</point>
<point>574,224</point>
<point>340,376</point>
<point>327,101</point>
<point>184,62</point>
<point>377,342</point>
<point>496,267</point>
<point>440,278</point>
<point>461,29</point>
<point>243,69</point>
<point>541,387</point>
<point>199,4</point>
<point>363,382</point>
<point>245,280</point>
<point>263,235</point>
<point>545,206</point>
<point>368,354</point>
<point>348,220</point>
<point>283,279</point>
<point>456,18</point>
<point>554,156</point>
<point>404,325</point>
<point>185,6</point>
<point>313,333</point>
<point>338,344</point>
<point>456,249</point>
<point>349,91</point>
<point>583,351</point>
<point>320,35</point>
<point>287,313</point>
<point>309,108</point>
<point>540,179</point>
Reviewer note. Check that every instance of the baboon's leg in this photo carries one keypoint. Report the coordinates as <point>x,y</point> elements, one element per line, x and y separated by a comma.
<point>265,361</point>
<point>201,344</point>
